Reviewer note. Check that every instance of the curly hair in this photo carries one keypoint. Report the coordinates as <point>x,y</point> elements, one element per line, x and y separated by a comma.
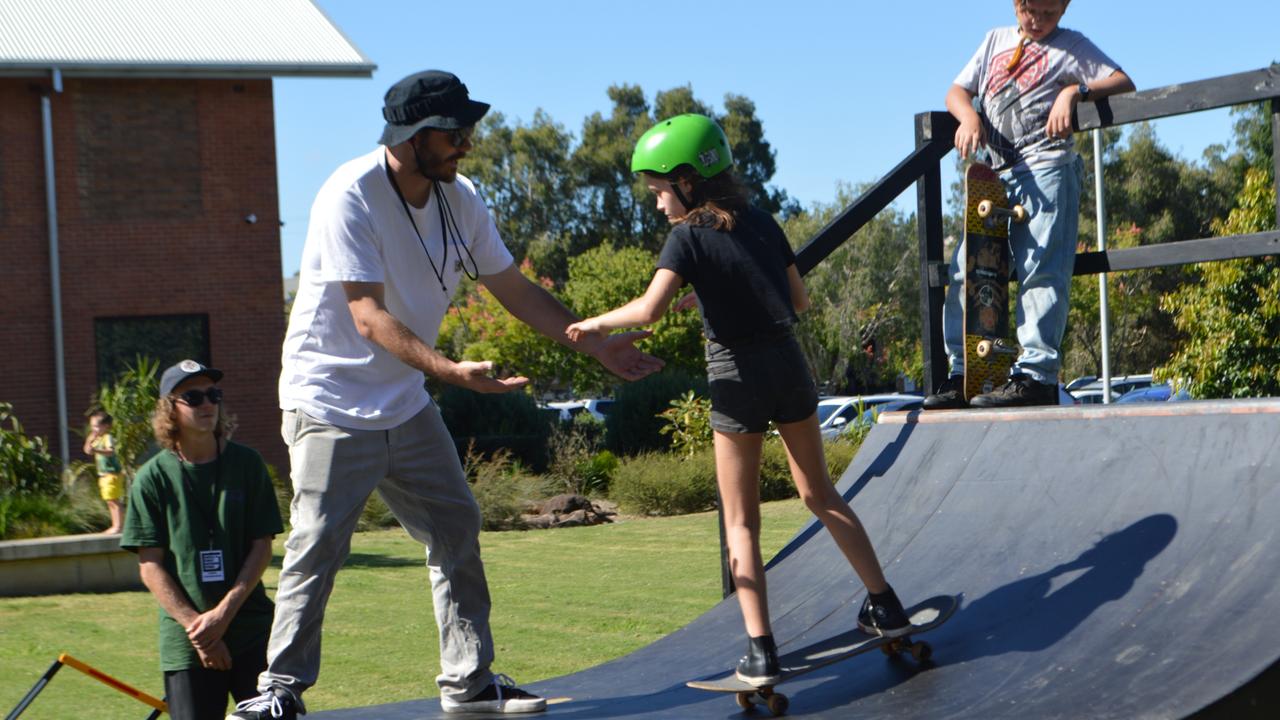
<point>164,423</point>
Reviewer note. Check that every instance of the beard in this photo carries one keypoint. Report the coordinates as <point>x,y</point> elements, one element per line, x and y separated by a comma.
<point>436,167</point>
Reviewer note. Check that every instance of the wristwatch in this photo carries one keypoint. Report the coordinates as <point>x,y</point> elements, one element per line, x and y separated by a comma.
<point>1084,91</point>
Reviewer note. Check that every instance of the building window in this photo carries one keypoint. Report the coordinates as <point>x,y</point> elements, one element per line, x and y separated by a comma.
<point>138,154</point>
<point>119,341</point>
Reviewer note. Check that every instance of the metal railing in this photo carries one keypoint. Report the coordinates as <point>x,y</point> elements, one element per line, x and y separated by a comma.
<point>935,133</point>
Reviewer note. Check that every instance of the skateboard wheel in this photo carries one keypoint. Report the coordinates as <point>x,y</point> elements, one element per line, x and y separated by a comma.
<point>778,704</point>
<point>744,701</point>
<point>1020,214</point>
<point>984,208</point>
<point>984,348</point>
<point>921,651</point>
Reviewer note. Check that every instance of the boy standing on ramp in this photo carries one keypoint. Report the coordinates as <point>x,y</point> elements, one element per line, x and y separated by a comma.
<point>1028,80</point>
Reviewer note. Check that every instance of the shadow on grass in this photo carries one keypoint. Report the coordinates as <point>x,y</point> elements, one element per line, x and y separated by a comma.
<point>370,560</point>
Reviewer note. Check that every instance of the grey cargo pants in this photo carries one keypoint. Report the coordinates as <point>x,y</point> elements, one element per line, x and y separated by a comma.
<point>415,468</point>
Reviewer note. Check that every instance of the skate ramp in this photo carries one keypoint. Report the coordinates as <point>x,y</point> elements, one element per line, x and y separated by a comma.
<point>1114,562</point>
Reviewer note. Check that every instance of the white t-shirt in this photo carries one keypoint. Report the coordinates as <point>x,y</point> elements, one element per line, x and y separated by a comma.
<point>1016,105</point>
<point>359,232</point>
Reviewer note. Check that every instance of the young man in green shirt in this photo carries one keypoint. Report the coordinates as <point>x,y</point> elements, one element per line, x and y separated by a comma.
<point>201,516</point>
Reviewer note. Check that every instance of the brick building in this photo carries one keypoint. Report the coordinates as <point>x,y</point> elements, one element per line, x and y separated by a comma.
<point>138,203</point>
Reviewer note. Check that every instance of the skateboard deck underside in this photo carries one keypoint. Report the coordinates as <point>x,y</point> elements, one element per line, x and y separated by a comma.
<point>925,616</point>
<point>986,283</point>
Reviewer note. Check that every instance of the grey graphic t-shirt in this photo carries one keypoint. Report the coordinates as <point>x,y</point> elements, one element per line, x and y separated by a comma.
<point>1015,103</point>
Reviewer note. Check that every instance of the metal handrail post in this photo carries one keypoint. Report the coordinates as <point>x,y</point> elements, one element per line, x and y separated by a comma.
<point>1103,309</point>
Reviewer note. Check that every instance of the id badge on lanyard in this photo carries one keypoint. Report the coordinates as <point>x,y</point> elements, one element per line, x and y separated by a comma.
<point>211,566</point>
<point>212,562</point>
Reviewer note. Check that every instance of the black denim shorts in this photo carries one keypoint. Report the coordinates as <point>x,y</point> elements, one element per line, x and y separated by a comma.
<point>758,381</point>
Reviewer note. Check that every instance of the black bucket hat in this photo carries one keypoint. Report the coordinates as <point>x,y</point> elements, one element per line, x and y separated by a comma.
<point>429,99</point>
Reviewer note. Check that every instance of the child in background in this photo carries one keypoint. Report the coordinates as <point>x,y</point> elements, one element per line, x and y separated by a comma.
<point>102,447</point>
<point>748,290</point>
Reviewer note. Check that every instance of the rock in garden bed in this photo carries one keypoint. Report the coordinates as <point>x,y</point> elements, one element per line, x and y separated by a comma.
<point>568,511</point>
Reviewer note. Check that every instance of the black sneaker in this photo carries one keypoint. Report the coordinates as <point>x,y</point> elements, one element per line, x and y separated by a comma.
<point>950,395</point>
<point>1020,391</point>
<point>760,665</point>
<point>502,696</point>
<point>885,618</point>
<point>274,704</point>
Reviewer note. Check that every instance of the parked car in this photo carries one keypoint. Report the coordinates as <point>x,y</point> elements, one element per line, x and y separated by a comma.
<point>1080,382</point>
<point>871,415</point>
<point>837,411</point>
<point>1091,393</point>
<point>1162,392</point>
<point>597,407</point>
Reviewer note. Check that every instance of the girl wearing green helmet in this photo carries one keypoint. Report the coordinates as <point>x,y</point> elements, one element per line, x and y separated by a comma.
<point>748,289</point>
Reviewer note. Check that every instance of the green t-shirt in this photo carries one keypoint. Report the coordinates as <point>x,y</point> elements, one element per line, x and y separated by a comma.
<point>106,463</point>
<point>170,511</point>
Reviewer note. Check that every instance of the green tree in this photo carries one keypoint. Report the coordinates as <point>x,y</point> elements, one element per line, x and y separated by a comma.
<point>477,327</point>
<point>523,173</point>
<point>863,329</point>
<point>26,466</point>
<point>1152,196</point>
<point>603,278</point>
<point>612,204</point>
<point>1231,318</point>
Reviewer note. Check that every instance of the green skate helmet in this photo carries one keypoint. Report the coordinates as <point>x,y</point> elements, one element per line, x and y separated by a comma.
<point>690,139</point>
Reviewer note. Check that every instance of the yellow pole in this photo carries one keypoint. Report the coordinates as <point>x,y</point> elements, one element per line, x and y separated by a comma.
<point>106,679</point>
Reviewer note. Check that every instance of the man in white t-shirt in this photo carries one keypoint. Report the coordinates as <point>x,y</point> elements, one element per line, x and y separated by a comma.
<point>391,235</point>
<point>1028,80</point>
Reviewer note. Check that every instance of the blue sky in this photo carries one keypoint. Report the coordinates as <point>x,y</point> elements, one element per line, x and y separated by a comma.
<point>836,84</point>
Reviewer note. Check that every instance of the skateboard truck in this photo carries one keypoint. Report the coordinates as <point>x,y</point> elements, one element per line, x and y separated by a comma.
<point>987,348</point>
<point>1017,213</point>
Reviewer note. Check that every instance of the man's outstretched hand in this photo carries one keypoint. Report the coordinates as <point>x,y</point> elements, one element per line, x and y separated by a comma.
<point>620,356</point>
<point>475,376</point>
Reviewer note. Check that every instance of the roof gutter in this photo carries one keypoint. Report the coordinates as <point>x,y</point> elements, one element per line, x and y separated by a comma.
<point>55,271</point>
<point>188,70</point>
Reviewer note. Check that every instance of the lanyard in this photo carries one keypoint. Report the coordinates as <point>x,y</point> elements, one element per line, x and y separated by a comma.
<point>210,516</point>
<point>446,224</point>
<point>442,205</point>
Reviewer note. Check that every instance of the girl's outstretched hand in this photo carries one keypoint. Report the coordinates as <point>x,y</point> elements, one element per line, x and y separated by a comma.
<point>686,302</point>
<point>582,328</point>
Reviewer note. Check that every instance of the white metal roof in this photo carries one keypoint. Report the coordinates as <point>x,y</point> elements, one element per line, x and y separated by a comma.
<point>174,37</point>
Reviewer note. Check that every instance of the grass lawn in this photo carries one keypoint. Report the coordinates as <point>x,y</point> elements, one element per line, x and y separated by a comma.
<point>563,600</point>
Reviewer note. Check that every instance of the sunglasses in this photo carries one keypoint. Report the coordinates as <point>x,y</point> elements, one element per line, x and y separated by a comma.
<point>459,137</point>
<point>195,398</point>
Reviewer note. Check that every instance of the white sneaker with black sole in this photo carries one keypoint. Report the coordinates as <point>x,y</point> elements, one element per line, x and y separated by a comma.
<point>273,704</point>
<point>502,696</point>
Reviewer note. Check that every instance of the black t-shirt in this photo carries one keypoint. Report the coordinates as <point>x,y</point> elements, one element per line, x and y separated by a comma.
<point>740,276</point>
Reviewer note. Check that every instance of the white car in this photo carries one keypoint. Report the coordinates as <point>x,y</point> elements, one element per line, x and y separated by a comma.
<point>835,412</point>
<point>1091,393</point>
<point>598,407</point>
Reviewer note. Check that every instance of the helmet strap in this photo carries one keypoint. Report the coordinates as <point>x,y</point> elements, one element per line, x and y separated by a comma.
<point>684,200</point>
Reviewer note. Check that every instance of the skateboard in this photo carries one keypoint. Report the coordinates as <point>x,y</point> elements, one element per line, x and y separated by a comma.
<point>924,616</point>
<point>988,352</point>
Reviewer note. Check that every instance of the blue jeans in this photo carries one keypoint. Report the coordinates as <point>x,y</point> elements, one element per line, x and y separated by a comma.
<point>1044,257</point>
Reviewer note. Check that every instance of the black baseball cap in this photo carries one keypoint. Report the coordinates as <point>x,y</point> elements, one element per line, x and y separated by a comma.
<point>429,99</point>
<point>183,371</point>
